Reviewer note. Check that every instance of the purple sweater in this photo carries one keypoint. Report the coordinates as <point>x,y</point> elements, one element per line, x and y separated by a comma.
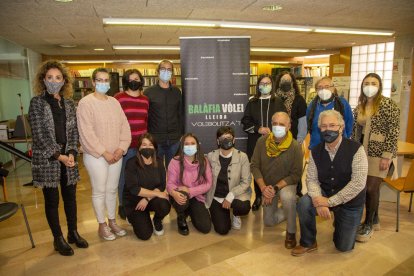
<point>197,188</point>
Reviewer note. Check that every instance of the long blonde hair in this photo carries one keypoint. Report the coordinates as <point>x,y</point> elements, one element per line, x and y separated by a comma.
<point>39,86</point>
<point>363,99</point>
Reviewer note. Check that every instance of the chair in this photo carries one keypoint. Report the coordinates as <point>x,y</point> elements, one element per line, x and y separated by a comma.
<point>8,209</point>
<point>402,184</point>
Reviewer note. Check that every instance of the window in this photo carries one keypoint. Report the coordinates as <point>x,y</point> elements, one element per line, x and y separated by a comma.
<point>374,58</point>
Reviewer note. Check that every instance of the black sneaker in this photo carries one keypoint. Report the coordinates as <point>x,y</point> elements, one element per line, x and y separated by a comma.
<point>364,233</point>
<point>121,212</point>
<point>158,228</point>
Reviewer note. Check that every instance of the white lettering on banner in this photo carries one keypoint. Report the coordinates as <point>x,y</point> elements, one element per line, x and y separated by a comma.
<point>191,78</point>
<point>232,108</point>
<point>240,94</point>
<point>211,57</point>
<point>240,74</point>
<point>216,117</point>
<point>216,124</point>
<point>223,40</point>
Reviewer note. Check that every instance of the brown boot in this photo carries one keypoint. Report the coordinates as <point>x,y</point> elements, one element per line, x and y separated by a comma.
<point>301,250</point>
<point>290,241</point>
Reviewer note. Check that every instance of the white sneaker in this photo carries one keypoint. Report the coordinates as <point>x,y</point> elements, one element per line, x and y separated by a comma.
<point>105,233</point>
<point>116,229</point>
<point>158,228</point>
<point>236,223</point>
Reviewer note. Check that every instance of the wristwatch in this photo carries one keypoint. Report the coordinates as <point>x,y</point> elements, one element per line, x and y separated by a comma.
<point>276,188</point>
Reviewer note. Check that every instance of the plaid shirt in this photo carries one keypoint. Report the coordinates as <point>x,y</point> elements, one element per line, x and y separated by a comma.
<point>352,189</point>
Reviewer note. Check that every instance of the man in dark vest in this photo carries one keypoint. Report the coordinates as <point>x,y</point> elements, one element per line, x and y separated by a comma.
<point>336,178</point>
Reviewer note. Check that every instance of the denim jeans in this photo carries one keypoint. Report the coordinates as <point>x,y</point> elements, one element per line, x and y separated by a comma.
<point>130,153</point>
<point>167,150</point>
<point>346,221</point>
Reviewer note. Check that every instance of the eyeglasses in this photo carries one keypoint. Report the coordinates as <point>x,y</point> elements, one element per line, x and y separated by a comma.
<point>102,80</point>
<point>265,83</point>
<point>324,87</point>
<point>330,127</point>
<point>163,69</point>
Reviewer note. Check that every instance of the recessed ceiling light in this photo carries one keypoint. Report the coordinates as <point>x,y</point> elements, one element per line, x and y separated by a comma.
<point>99,49</point>
<point>272,8</point>
<point>68,45</point>
<point>64,1</point>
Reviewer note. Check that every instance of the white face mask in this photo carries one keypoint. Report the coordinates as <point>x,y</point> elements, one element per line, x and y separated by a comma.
<point>370,90</point>
<point>279,131</point>
<point>325,94</point>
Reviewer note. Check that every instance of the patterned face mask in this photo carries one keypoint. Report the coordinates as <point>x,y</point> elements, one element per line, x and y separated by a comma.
<point>53,87</point>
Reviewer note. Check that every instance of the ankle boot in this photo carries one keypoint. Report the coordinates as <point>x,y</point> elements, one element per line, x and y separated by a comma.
<point>257,203</point>
<point>62,246</point>
<point>74,237</point>
<point>290,241</point>
<point>182,225</point>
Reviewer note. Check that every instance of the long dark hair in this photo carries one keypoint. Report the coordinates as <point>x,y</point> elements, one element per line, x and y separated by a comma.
<point>362,100</point>
<point>129,72</point>
<point>294,82</point>
<point>140,161</point>
<point>199,157</point>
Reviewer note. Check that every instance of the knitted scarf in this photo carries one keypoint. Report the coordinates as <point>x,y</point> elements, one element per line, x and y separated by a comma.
<point>273,149</point>
<point>287,98</point>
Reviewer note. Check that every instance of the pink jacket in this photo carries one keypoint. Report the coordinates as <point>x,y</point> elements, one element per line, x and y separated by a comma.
<point>197,188</point>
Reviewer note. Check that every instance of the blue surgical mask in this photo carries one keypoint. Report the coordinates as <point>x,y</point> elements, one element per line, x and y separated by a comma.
<point>265,89</point>
<point>102,87</point>
<point>190,150</point>
<point>279,131</point>
<point>165,75</point>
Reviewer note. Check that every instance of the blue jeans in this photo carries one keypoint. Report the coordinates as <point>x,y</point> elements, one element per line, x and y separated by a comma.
<point>346,221</point>
<point>130,153</point>
<point>167,150</point>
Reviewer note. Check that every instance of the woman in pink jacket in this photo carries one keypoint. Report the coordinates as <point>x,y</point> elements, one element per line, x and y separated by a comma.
<point>189,179</point>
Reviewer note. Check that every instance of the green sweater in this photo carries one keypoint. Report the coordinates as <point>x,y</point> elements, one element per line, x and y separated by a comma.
<point>286,166</point>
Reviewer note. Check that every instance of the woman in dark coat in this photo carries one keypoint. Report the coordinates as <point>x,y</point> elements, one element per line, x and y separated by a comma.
<point>52,118</point>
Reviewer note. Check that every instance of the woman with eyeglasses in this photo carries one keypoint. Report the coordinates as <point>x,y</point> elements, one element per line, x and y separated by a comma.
<point>376,127</point>
<point>52,117</point>
<point>105,137</point>
<point>189,178</point>
<point>326,99</point>
<point>257,120</point>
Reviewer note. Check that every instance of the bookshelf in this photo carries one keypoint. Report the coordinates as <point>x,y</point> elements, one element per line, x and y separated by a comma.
<point>253,78</point>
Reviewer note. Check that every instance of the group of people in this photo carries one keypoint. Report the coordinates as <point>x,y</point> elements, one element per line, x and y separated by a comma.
<point>135,151</point>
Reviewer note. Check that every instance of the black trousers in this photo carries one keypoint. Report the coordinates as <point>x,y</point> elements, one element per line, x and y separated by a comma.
<point>51,196</point>
<point>221,217</point>
<point>197,211</point>
<point>141,220</point>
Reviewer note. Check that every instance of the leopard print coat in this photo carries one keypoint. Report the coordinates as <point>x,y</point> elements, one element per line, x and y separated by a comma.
<point>46,169</point>
<point>384,130</point>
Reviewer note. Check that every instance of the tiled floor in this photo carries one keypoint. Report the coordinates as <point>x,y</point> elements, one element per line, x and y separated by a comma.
<point>254,250</point>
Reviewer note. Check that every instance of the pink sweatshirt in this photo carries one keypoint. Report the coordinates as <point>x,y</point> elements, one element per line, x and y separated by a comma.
<point>102,126</point>
<point>197,188</point>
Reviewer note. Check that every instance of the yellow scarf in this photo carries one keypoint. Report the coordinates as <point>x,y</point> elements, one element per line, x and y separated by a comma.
<point>273,149</point>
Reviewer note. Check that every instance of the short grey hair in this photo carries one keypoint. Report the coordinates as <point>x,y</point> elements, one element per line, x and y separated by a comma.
<point>282,113</point>
<point>331,112</point>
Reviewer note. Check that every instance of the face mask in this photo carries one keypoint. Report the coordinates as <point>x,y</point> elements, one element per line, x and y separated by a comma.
<point>190,150</point>
<point>265,89</point>
<point>325,94</point>
<point>165,75</point>
<point>286,86</point>
<point>53,87</point>
<point>279,131</point>
<point>134,85</point>
<point>330,135</point>
<point>370,90</point>
<point>102,87</point>
<point>147,152</point>
<point>226,143</point>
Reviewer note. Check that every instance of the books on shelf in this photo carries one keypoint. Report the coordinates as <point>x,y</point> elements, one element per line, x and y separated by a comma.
<point>316,71</point>
<point>253,70</point>
<point>253,80</point>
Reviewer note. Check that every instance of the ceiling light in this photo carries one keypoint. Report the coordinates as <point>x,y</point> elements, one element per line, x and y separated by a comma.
<point>67,45</point>
<point>157,22</point>
<point>145,47</point>
<point>280,50</point>
<point>87,61</point>
<point>268,61</point>
<point>272,8</point>
<point>317,56</point>
<point>353,31</point>
<point>99,49</point>
<point>64,1</point>
<point>264,26</point>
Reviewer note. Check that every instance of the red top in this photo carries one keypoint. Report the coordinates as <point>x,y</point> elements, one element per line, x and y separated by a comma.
<point>136,111</point>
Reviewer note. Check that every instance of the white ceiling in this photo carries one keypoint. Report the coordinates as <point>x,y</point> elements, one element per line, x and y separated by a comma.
<point>42,25</point>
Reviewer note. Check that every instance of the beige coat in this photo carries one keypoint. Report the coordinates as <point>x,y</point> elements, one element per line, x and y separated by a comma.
<point>238,172</point>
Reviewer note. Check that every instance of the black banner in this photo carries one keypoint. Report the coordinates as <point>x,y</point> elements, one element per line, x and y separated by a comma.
<point>215,74</point>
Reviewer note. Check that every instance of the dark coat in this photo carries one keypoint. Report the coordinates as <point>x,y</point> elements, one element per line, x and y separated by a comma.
<point>45,168</point>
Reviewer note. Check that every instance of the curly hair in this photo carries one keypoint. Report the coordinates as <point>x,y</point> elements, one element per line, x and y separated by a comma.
<point>39,86</point>
<point>294,82</point>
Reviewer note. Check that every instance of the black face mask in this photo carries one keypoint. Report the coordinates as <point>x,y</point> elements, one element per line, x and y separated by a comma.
<point>330,135</point>
<point>286,86</point>
<point>147,152</point>
<point>134,85</point>
<point>226,143</point>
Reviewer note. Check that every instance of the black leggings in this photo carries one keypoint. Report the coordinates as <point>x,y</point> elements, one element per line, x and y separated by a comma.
<point>141,220</point>
<point>51,196</point>
<point>372,198</point>
<point>197,211</point>
<point>257,190</point>
<point>221,217</point>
